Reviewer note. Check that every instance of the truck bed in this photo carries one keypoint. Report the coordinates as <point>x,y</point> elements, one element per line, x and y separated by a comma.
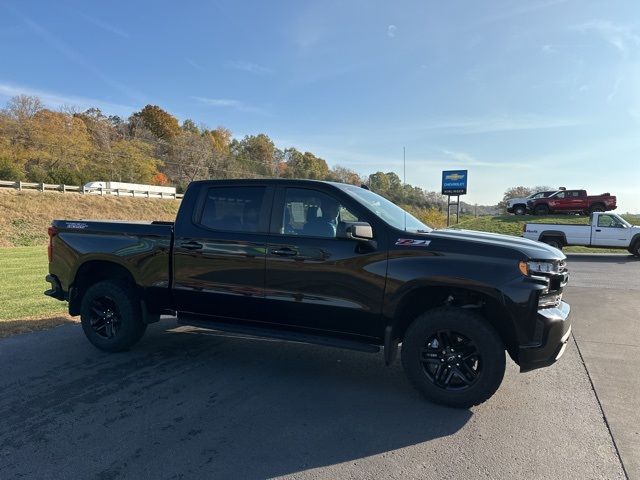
<point>142,248</point>
<point>574,234</point>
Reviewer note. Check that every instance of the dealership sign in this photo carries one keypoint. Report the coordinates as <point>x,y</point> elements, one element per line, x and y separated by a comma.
<point>454,182</point>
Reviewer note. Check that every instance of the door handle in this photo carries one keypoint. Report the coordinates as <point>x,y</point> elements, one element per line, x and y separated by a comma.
<point>191,245</point>
<point>284,252</point>
<point>598,230</point>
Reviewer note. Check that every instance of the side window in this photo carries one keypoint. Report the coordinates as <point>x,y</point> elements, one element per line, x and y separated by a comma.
<point>608,221</point>
<point>311,213</point>
<point>560,195</point>
<point>233,209</point>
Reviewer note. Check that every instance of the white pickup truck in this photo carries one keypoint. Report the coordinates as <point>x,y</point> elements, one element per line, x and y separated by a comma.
<point>605,230</point>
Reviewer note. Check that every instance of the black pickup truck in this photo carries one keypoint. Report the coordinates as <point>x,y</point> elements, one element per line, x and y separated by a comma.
<point>324,263</point>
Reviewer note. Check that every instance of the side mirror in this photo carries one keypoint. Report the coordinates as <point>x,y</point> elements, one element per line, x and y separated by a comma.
<point>355,230</point>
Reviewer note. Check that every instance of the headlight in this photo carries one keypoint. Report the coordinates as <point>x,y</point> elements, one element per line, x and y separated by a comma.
<point>533,266</point>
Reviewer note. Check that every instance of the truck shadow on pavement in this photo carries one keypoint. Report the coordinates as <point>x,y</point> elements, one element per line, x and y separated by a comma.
<point>189,404</point>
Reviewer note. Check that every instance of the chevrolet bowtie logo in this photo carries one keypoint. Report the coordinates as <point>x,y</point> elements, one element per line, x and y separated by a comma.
<point>454,176</point>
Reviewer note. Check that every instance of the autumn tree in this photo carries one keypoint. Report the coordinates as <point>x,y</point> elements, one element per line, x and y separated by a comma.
<point>23,107</point>
<point>162,124</point>
<point>255,153</point>
<point>132,161</point>
<point>305,165</point>
<point>190,126</point>
<point>345,175</point>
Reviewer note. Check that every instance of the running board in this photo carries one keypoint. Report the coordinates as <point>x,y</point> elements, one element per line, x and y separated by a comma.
<point>285,335</point>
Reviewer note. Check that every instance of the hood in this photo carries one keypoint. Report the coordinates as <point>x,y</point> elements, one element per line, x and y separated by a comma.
<point>511,201</point>
<point>530,248</point>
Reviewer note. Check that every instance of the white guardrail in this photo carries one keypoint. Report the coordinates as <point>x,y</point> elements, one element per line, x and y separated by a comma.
<point>120,192</point>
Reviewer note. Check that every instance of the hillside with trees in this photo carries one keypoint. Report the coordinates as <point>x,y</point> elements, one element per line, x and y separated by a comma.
<point>38,144</point>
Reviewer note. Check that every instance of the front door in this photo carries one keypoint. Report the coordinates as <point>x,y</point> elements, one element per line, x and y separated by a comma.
<point>610,232</point>
<point>219,256</point>
<point>315,280</point>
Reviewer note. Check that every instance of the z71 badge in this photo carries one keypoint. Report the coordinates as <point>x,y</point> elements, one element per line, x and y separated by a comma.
<point>411,242</point>
<point>76,225</point>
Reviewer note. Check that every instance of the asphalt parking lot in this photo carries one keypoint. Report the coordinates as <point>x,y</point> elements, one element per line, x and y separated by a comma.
<point>190,404</point>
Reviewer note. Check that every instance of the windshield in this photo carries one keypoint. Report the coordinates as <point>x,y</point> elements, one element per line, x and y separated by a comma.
<point>386,210</point>
<point>623,221</point>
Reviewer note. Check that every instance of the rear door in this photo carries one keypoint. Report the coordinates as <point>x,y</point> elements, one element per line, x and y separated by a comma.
<point>315,280</point>
<point>219,253</point>
<point>608,231</point>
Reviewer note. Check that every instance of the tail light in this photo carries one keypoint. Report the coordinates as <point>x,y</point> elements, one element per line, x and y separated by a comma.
<point>52,231</point>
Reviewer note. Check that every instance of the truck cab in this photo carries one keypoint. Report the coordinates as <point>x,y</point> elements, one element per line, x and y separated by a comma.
<point>611,230</point>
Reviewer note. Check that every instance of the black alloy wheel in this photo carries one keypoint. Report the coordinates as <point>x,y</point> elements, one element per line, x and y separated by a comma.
<point>105,317</point>
<point>451,361</point>
<point>111,315</point>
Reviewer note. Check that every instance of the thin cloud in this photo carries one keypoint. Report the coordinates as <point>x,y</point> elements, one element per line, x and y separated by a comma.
<point>228,103</point>
<point>391,31</point>
<point>548,49</point>
<point>522,9</point>
<point>249,67</point>
<point>467,160</point>
<point>107,27</point>
<point>505,123</point>
<point>57,100</point>
<point>74,56</point>
<point>622,38</point>
<point>194,64</point>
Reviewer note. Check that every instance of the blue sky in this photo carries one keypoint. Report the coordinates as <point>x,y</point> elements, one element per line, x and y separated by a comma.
<point>518,92</point>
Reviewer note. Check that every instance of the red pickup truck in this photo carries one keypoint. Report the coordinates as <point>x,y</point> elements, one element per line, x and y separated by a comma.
<point>578,201</point>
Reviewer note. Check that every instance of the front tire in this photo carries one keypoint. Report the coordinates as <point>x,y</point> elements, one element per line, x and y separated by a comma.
<point>453,357</point>
<point>111,317</point>
<point>520,210</point>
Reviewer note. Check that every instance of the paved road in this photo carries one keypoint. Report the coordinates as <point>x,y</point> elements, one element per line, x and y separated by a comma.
<point>605,298</point>
<point>187,404</point>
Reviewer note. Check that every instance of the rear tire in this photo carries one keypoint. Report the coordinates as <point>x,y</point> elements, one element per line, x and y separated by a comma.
<point>111,317</point>
<point>541,210</point>
<point>473,362</point>
<point>554,242</point>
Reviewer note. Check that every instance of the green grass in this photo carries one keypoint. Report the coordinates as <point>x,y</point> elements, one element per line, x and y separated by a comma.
<point>22,272</point>
<point>512,225</point>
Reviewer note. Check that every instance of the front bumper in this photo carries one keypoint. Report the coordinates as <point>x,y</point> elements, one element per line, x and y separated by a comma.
<point>56,288</point>
<point>553,330</point>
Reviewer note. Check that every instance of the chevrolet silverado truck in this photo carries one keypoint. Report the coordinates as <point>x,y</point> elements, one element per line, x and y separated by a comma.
<point>321,263</point>
<point>518,205</point>
<point>605,230</point>
<point>572,201</point>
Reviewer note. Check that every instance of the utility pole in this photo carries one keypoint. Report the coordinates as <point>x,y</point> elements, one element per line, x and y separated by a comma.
<point>404,166</point>
<point>404,181</point>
